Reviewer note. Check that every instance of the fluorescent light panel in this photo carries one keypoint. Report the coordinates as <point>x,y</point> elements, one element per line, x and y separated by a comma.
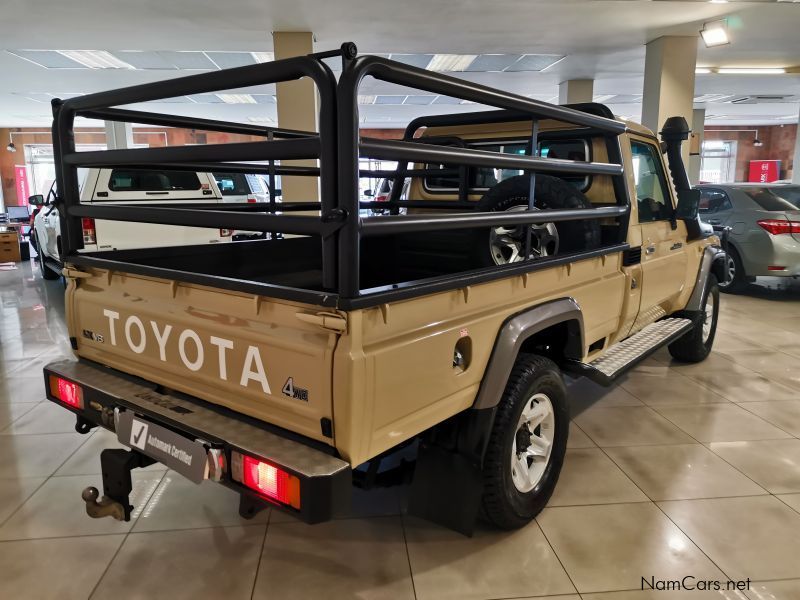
<point>263,57</point>
<point>750,71</point>
<point>451,62</point>
<point>237,98</point>
<point>96,59</point>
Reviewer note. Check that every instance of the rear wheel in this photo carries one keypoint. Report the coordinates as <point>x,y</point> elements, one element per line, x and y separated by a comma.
<point>527,444</point>
<point>736,277</point>
<point>696,344</point>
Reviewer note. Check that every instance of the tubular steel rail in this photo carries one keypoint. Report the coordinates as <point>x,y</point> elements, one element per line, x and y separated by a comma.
<point>337,147</point>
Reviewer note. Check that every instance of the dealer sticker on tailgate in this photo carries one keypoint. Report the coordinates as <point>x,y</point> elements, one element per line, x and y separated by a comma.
<point>187,457</point>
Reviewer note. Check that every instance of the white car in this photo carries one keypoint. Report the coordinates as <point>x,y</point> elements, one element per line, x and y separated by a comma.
<point>243,187</point>
<point>126,186</point>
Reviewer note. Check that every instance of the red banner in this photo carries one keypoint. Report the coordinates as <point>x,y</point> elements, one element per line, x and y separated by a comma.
<point>23,191</point>
<point>764,171</point>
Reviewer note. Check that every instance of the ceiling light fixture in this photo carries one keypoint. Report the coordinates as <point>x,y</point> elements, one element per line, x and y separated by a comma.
<point>702,71</point>
<point>750,71</point>
<point>263,57</point>
<point>11,147</point>
<point>450,62</point>
<point>715,33</point>
<point>237,98</point>
<point>96,59</point>
<point>718,1</point>
<point>603,98</point>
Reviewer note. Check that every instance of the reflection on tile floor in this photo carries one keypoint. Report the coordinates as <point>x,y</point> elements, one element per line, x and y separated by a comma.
<point>679,470</point>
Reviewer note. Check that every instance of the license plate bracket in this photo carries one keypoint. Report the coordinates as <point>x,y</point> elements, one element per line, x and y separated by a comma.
<point>181,454</point>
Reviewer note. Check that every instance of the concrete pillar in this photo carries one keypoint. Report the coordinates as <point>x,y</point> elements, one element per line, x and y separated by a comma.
<point>297,109</point>
<point>696,144</point>
<point>669,82</point>
<point>796,160</point>
<point>119,136</point>
<point>575,91</point>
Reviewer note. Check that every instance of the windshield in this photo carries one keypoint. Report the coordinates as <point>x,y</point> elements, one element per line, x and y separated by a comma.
<point>122,180</point>
<point>773,199</point>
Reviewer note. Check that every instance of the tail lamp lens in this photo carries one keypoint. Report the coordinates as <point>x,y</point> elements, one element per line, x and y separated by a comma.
<point>225,232</point>
<point>778,226</point>
<point>89,234</point>
<point>251,199</point>
<point>68,392</point>
<point>266,479</point>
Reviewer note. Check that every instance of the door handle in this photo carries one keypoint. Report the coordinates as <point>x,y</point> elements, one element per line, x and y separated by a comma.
<point>676,246</point>
<point>650,249</point>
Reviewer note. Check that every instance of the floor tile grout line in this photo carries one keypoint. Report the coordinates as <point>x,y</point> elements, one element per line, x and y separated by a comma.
<point>82,535</point>
<point>555,553</point>
<point>47,478</point>
<point>767,420</point>
<point>408,554</point>
<point>260,555</point>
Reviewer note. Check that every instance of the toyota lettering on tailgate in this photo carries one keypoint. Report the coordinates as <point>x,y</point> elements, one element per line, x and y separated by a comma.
<point>190,347</point>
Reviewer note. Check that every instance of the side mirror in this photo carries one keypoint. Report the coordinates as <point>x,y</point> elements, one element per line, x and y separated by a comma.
<point>36,200</point>
<point>688,205</point>
<point>369,193</point>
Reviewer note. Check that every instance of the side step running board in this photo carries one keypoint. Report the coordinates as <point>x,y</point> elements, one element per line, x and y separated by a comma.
<point>630,351</point>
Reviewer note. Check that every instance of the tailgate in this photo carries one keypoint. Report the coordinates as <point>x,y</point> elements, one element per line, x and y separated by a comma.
<point>248,353</point>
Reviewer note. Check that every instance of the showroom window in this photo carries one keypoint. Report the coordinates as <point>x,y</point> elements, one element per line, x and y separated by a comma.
<point>718,161</point>
<point>652,193</point>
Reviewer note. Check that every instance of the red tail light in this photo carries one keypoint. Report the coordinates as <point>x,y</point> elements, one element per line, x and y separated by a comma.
<point>225,232</point>
<point>266,479</point>
<point>382,198</point>
<point>251,199</point>
<point>68,392</point>
<point>89,234</point>
<point>777,226</point>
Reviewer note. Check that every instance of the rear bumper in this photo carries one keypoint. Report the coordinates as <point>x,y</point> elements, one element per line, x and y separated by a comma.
<point>325,480</point>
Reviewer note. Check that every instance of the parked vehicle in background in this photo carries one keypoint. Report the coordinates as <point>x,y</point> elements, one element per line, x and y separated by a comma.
<point>125,186</point>
<point>243,187</point>
<point>764,222</point>
<point>383,192</point>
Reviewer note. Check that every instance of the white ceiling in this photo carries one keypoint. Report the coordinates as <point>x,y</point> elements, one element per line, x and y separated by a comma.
<point>600,39</point>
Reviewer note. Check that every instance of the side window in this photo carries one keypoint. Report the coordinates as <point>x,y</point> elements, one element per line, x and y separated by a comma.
<point>652,192</point>
<point>714,201</point>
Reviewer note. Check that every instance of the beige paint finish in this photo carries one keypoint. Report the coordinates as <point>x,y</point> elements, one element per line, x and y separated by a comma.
<point>387,373</point>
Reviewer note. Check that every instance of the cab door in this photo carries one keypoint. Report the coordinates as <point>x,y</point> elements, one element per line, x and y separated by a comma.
<point>664,253</point>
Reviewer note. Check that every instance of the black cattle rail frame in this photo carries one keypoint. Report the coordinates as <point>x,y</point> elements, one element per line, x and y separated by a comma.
<point>337,147</point>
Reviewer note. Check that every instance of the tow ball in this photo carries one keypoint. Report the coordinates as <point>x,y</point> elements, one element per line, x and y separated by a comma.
<point>117,485</point>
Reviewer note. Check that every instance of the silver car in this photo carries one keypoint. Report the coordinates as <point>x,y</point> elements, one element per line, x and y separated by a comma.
<point>765,228</point>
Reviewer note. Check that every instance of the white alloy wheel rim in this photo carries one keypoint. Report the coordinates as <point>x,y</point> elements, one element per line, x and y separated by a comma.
<point>533,442</point>
<point>708,317</point>
<point>507,244</point>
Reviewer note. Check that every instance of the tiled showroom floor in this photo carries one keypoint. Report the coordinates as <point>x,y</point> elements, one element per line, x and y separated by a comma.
<point>679,470</point>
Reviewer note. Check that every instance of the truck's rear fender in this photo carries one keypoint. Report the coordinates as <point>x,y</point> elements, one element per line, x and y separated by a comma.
<point>556,325</point>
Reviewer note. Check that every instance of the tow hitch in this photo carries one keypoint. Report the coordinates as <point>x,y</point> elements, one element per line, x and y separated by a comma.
<point>117,465</point>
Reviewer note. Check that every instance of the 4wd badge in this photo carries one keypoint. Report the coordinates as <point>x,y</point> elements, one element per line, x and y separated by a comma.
<point>289,389</point>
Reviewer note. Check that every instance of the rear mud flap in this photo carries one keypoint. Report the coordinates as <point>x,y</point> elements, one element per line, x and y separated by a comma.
<point>446,489</point>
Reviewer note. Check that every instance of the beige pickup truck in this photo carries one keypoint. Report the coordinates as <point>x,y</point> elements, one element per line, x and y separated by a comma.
<point>534,240</point>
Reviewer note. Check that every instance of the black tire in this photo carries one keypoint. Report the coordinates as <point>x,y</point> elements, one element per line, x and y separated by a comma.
<point>737,281</point>
<point>46,272</point>
<point>550,192</point>
<point>503,504</point>
<point>694,346</point>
